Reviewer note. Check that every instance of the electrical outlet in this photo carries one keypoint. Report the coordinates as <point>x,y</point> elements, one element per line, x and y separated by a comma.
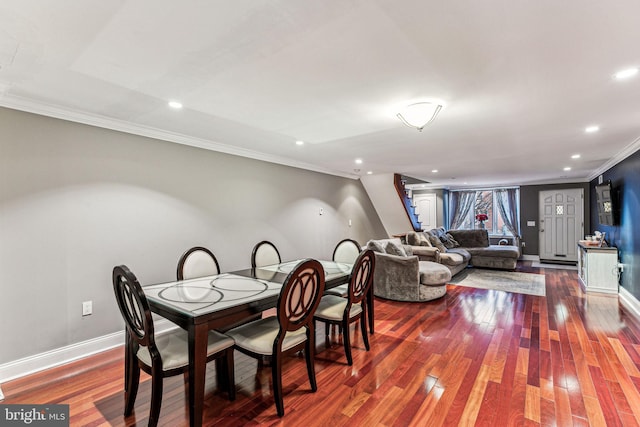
<point>524,244</point>
<point>87,308</point>
<point>321,211</point>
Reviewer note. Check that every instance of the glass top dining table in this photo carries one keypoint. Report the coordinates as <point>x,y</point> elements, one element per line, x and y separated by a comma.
<point>199,305</point>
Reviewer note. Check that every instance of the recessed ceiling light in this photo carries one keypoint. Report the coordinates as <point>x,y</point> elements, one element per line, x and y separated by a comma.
<point>434,171</point>
<point>575,156</point>
<point>299,142</point>
<point>625,74</point>
<point>591,129</point>
<point>369,172</point>
<point>175,104</point>
<point>358,161</point>
<point>567,169</point>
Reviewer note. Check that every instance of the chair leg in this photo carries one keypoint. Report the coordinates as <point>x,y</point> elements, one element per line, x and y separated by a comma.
<point>132,379</point>
<point>276,374</point>
<point>363,328</point>
<point>231,376</point>
<point>347,341</point>
<point>309,354</point>
<point>156,396</point>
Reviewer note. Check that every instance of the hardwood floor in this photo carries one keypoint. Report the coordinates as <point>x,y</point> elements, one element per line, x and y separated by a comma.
<point>474,357</point>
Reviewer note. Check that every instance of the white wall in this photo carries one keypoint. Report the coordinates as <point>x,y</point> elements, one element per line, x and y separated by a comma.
<point>384,197</point>
<point>76,200</point>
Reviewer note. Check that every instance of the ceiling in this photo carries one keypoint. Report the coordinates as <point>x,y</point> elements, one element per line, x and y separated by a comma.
<point>520,80</point>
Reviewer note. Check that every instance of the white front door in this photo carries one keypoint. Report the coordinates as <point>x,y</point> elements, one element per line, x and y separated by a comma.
<point>561,224</point>
<point>426,210</point>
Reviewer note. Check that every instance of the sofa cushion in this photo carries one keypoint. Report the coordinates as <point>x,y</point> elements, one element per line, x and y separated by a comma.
<point>392,248</point>
<point>452,258</point>
<point>495,251</point>
<point>433,274</point>
<point>471,238</point>
<point>463,252</point>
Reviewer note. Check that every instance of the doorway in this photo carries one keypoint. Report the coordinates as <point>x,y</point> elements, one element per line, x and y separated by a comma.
<point>426,210</point>
<point>561,216</point>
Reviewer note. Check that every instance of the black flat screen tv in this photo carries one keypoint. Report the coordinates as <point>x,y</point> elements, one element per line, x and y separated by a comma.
<point>605,202</point>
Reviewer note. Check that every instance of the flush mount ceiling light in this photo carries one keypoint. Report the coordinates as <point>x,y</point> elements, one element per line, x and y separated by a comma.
<point>624,74</point>
<point>175,104</point>
<point>592,129</point>
<point>420,114</point>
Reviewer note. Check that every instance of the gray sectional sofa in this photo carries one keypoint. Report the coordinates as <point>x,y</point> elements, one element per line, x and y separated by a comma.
<point>456,249</point>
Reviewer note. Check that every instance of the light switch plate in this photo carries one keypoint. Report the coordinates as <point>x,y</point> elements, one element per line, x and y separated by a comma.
<point>531,223</point>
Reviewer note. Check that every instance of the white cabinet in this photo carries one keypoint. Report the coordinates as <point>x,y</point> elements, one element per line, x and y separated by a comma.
<point>598,268</point>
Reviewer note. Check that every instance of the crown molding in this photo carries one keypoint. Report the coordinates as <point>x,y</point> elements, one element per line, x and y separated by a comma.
<point>54,111</point>
<point>622,154</point>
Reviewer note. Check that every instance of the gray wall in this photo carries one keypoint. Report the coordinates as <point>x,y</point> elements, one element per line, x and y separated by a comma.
<point>529,211</point>
<point>76,200</point>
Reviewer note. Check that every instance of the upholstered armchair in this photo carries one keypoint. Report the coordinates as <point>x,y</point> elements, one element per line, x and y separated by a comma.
<point>399,274</point>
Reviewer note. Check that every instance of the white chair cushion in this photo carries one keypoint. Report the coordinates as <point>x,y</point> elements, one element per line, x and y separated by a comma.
<point>258,336</point>
<point>341,291</point>
<point>332,307</point>
<point>199,264</point>
<point>174,350</point>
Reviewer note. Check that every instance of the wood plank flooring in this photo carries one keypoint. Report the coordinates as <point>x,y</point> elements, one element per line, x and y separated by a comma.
<point>474,357</point>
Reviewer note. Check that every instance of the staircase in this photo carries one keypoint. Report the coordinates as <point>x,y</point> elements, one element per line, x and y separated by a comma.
<point>407,201</point>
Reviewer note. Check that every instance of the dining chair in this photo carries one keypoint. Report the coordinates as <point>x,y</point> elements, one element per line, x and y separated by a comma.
<point>197,262</point>
<point>201,262</point>
<point>161,355</point>
<point>335,310</point>
<point>264,253</point>
<point>346,251</point>
<point>292,328</point>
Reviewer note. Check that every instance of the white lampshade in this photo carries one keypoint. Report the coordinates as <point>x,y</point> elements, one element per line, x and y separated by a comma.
<point>420,114</point>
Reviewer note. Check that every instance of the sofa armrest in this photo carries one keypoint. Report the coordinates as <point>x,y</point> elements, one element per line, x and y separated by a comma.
<point>395,275</point>
<point>427,253</point>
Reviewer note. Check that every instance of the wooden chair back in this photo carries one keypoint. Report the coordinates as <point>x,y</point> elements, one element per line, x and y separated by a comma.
<point>197,262</point>
<point>347,251</point>
<point>264,253</point>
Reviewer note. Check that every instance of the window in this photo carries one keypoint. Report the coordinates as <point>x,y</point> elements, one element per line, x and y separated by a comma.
<point>489,209</point>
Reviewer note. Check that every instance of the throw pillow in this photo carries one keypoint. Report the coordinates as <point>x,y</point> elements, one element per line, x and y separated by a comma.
<point>423,240</point>
<point>375,246</point>
<point>453,241</point>
<point>448,241</point>
<point>436,243</point>
<point>393,248</point>
<point>413,239</point>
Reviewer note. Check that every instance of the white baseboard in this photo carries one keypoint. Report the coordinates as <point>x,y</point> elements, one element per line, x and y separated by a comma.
<point>535,258</point>
<point>630,302</point>
<point>60,356</point>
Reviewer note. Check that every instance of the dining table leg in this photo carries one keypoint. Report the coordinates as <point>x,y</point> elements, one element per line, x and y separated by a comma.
<point>198,337</point>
